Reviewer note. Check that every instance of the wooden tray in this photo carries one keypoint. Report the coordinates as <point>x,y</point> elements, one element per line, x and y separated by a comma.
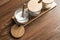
<point>14,28</point>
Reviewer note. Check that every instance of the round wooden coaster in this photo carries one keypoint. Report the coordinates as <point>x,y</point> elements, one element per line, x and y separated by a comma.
<point>17,32</point>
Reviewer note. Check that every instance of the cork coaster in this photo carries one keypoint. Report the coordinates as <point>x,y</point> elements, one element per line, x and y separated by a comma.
<point>3,2</point>
<point>17,32</point>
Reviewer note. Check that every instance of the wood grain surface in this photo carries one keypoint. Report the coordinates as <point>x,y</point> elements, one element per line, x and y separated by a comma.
<point>3,2</point>
<point>46,27</point>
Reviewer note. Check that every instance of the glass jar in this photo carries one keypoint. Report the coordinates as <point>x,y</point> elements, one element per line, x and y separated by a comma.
<point>19,18</point>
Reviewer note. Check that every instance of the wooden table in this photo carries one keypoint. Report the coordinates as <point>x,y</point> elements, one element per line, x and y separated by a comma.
<point>46,27</point>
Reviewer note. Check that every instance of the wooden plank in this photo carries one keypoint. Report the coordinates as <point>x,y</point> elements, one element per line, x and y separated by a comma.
<point>3,2</point>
